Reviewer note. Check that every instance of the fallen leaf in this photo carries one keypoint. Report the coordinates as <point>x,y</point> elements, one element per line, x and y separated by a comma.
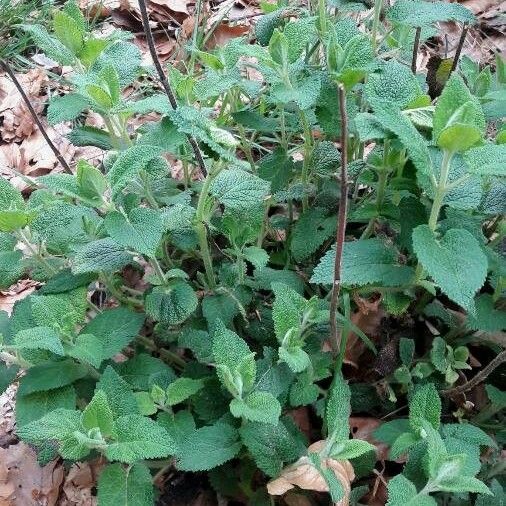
<point>224,32</point>
<point>368,319</point>
<point>16,292</point>
<point>304,475</point>
<point>23,481</point>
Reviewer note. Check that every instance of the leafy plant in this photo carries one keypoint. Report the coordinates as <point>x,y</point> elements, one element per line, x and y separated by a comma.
<point>221,288</point>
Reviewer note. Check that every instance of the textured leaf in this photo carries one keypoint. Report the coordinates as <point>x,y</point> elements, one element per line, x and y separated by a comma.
<point>257,407</point>
<point>171,304</point>
<point>487,317</point>
<point>119,393</point>
<point>312,229</point>
<point>104,255</point>
<point>90,136</point>
<point>34,406</point>
<point>142,231</point>
<point>239,190</point>
<point>68,31</point>
<point>454,96</point>
<point>98,414</point>
<point>199,342</point>
<point>338,409</point>
<point>182,388</point>
<point>51,46</point>
<point>489,160</point>
<point>7,375</point>
<point>51,375</point>
<point>420,13</point>
<point>11,268</point>
<point>368,261</point>
<point>87,348</point>
<point>125,486</point>
<point>425,405</point>
<point>143,370</point>
<point>402,492</point>
<point>91,183</point>
<point>66,108</point>
<point>39,338</point>
<point>129,163</point>
<point>459,275</point>
<point>115,328</point>
<point>137,438</point>
<point>208,447</point>
<point>271,446</point>
<point>125,57</point>
<point>395,85</point>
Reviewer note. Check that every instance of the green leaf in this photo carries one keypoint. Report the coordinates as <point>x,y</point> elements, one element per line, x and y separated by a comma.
<point>119,393</point>
<point>171,304</point>
<point>102,255</point>
<point>487,317</point>
<point>459,275</point>
<point>141,231</point>
<point>464,484</point>
<point>257,407</point>
<point>395,85</point>
<point>295,357</point>
<point>181,389</point>
<point>66,108</point>
<point>232,352</point>
<point>11,268</point>
<point>489,160</point>
<point>208,447</point>
<point>402,492</point>
<point>129,163</point>
<point>90,136</point>
<point>271,446</point>
<point>438,354</point>
<point>338,410</point>
<point>143,370</point>
<point>14,220</point>
<point>8,374</point>
<point>456,104</point>
<point>137,438</point>
<point>287,310</point>
<point>406,350</point>
<point>68,31</point>
<point>419,13</point>
<point>39,338</point>
<point>115,328</point>
<point>51,46</point>
<point>98,414</point>
<point>350,449</point>
<point>145,403</point>
<point>34,406</point>
<point>125,486</point>
<point>364,262</point>
<point>87,348</point>
<point>199,342</point>
<point>51,375</point>
<point>257,256</point>
<point>124,56</point>
<point>10,197</point>
<point>312,229</point>
<point>91,183</point>
<point>266,25</point>
<point>239,190</point>
<point>425,405</point>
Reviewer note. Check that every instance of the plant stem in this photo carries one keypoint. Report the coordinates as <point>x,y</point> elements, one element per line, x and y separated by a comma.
<point>35,117</point>
<point>158,269</point>
<point>481,376</point>
<point>440,190</point>
<point>201,230</point>
<point>415,49</point>
<point>345,331</point>
<point>306,162</point>
<point>378,5</point>
<point>165,82</point>
<point>335,338</point>
<point>462,39</point>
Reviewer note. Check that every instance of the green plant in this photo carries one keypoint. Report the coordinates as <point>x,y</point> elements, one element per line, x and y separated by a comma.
<point>222,287</point>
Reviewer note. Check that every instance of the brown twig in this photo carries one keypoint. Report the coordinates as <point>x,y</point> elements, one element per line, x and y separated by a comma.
<point>415,49</point>
<point>165,82</point>
<point>35,116</point>
<point>481,376</point>
<point>462,39</point>
<point>341,223</point>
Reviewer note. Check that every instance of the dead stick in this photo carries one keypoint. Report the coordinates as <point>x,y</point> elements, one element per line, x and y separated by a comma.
<point>165,82</point>
<point>415,49</point>
<point>341,224</point>
<point>462,39</point>
<point>35,116</point>
<point>481,376</point>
